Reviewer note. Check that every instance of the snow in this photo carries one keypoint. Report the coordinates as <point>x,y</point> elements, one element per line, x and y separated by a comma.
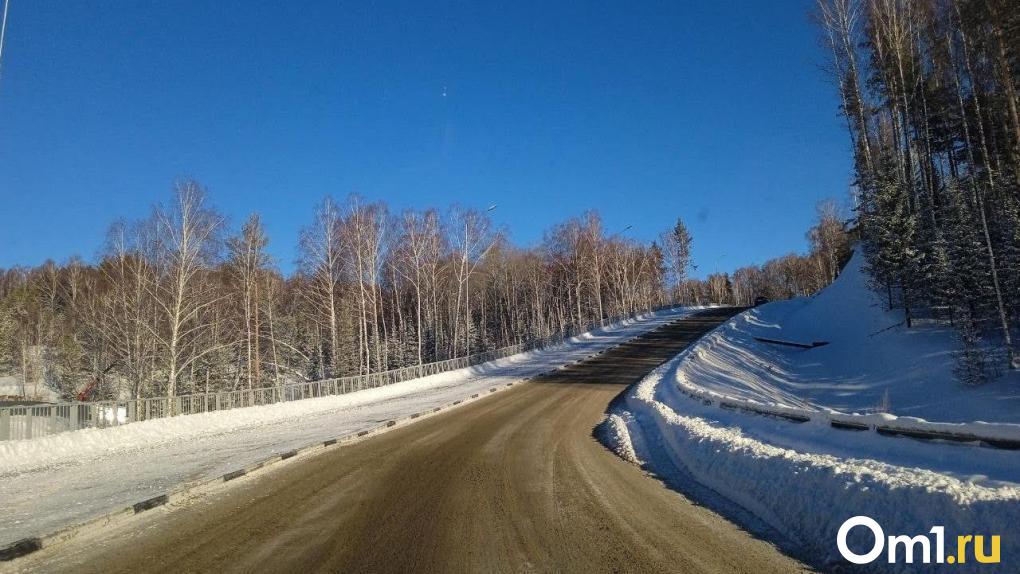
<point>64,479</point>
<point>871,358</point>
<point>797,483</point>
<point>803,481</point>
<point>36,391</point>
<point>616,435</point>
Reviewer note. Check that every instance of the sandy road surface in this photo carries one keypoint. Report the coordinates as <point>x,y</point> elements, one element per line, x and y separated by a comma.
<point>511,483</point>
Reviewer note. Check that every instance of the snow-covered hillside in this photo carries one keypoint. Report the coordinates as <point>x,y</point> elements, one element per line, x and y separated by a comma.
<point>872,361</point>
<point>797,483</point>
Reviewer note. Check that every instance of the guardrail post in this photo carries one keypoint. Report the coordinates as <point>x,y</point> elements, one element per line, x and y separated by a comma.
<point>51,424</point>
<point>5,424</point>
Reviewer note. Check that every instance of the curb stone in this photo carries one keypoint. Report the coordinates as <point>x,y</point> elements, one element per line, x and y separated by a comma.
<point>20,548</point>
<point>150,503</point>
<point>234,474</point>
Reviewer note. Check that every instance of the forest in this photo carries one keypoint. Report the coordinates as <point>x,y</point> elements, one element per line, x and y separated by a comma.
<point>178,303</point>
<point>928,89</point>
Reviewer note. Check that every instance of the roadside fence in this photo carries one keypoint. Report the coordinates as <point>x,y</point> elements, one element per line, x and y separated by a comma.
<point>33,421</point>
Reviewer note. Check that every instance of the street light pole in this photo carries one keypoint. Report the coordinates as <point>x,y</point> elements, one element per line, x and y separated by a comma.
<point>3,32</point>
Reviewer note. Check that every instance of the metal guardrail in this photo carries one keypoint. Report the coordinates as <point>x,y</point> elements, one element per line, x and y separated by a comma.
<point>33,421</point>
<point>811,345</point>
<point>994,436</point>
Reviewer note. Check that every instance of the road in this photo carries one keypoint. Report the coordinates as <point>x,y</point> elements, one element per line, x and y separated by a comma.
<point>512,483</point>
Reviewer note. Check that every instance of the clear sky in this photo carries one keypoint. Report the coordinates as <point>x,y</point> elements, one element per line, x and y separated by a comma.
<point>711,110</point>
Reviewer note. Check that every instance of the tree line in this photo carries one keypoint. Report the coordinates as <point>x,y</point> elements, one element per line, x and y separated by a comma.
<point>177,304</point>
<point>928,91</point>
<point>785,277</point>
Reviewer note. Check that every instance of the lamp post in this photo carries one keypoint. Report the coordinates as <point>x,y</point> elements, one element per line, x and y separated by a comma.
<point>3,32</point>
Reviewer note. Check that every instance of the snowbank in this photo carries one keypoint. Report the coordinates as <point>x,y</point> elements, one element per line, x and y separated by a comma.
<point>780,473</point>
<point>1002,435</point>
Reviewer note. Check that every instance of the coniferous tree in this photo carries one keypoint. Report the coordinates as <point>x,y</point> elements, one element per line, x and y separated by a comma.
<point>929,90</point>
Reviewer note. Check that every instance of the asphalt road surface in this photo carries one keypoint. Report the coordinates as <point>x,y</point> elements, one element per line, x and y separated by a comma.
<point>511,483</point>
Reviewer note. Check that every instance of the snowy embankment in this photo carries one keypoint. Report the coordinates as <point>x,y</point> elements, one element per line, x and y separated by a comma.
<point>57,481</point>
<point>872,363</point>
<point>798,482</point>
<point>780,473</point>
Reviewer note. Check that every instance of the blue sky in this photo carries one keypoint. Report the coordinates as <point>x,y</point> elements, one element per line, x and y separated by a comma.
<point>713,111</point>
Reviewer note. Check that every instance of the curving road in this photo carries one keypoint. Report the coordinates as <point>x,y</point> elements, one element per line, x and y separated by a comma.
<point>511,483</point>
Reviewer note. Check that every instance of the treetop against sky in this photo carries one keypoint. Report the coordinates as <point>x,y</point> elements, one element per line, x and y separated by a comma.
<point>713,111</point>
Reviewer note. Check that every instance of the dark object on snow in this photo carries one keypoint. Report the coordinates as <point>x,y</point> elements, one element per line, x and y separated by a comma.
<point>760,300</point>
<point>811,345</point>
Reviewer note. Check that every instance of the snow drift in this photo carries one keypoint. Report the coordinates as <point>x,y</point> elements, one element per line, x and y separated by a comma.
<point>803,495</point>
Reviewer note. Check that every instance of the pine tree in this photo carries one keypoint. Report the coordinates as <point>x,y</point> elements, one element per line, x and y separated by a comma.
<point>973,364</point>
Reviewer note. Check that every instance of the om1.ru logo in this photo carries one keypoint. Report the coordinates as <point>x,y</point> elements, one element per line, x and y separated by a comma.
<point>911,544</point>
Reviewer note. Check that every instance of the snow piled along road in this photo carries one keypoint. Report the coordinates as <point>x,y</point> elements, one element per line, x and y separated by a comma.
<point>797,483</point>
<point>803,481</point>
<point>53,482</point>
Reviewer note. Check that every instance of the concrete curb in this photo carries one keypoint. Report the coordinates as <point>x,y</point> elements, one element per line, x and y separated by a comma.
<point>20,548</point>
<point>26,546</point>
<point>150,503</point>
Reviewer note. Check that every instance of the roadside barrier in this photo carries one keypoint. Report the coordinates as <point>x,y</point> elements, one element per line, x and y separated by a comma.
<point>33,421</point>
<point>992,435</point>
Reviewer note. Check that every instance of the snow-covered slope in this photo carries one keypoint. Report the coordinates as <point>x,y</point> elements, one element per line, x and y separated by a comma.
<point>872,361</point>
<point>797,483</point>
